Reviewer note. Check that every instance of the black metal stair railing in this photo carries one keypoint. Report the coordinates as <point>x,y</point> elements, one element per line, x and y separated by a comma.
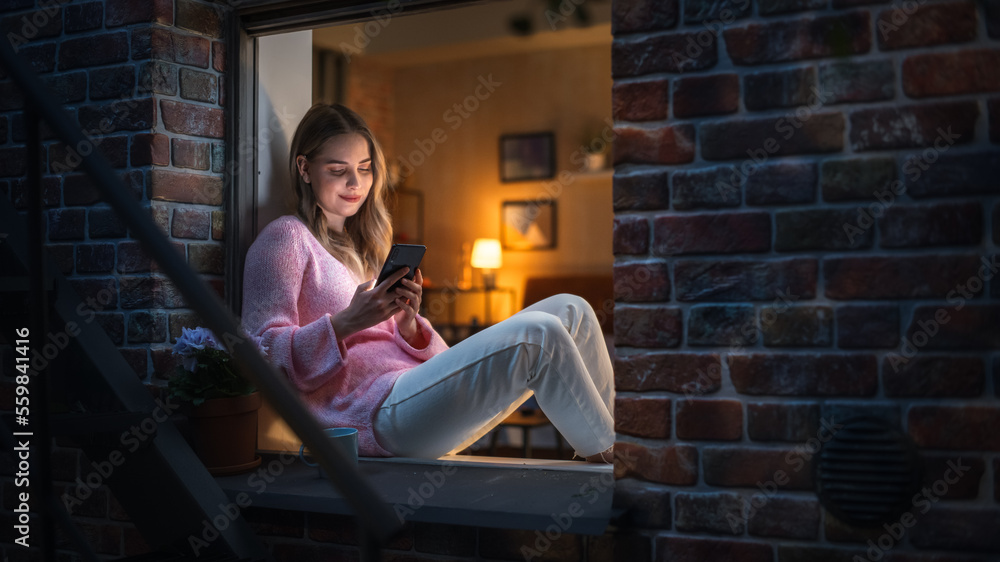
<point>377,522</point>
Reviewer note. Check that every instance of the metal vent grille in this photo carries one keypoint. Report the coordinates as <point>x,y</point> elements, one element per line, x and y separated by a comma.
<point>867,472</point>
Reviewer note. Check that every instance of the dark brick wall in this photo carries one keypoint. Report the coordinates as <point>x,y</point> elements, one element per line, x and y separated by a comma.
<point>144,80</point>
<point>806,205</point>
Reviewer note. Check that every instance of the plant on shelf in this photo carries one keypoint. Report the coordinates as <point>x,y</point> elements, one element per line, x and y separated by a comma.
<point>223,403</point>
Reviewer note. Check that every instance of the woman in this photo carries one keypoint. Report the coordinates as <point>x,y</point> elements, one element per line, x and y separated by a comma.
<point>362,357</point>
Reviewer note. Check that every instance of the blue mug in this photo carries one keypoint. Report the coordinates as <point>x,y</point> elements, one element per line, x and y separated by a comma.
<point>344,438</point>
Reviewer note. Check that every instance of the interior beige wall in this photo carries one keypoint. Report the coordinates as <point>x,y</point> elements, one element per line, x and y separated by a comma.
<point>567,91</point>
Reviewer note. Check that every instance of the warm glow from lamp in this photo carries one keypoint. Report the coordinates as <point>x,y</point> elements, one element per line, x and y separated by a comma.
<point>486,254</point>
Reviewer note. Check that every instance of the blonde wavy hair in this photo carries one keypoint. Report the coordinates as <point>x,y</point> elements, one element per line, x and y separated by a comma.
<point>367,235</point>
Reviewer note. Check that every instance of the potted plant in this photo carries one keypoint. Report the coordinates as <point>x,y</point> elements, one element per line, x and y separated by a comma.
<point>222,403</point>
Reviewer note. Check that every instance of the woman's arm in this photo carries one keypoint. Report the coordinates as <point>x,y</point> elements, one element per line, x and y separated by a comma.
<point>310,354</point>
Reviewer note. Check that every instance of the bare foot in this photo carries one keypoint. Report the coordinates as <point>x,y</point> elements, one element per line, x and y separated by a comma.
<point>605,457</point>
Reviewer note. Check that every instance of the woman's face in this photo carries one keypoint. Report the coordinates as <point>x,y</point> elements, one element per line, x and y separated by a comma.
<point>340,175</point>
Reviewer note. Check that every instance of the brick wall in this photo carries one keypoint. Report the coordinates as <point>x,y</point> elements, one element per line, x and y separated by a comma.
<point>805,195</point>
<point>145,80</point>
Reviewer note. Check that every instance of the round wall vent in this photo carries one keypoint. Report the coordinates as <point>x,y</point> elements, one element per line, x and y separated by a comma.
<point>867,473</point>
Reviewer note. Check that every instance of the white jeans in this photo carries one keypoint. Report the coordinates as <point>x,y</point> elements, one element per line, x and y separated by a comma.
<point>553,349</point>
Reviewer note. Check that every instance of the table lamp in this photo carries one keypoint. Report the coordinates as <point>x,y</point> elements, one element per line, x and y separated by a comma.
<point>486,255</point>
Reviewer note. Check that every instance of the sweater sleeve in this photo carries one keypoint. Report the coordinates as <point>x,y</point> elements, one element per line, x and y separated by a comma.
<point>435,344</point>
<point>309,354</point>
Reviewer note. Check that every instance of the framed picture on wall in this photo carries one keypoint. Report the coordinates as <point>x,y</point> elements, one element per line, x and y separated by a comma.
<point>528,156</point>
<point>528,225</point>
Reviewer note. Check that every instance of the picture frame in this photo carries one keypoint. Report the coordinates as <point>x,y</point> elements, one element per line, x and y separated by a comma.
<point>528,225</point>
<point>527,156</point>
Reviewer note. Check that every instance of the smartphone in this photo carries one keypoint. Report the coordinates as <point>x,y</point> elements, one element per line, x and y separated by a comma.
<point>400,256</point>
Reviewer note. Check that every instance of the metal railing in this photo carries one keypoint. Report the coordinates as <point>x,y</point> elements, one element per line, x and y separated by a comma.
<point>377,522</point>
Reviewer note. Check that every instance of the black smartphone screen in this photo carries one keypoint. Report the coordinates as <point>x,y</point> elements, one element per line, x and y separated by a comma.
<point>400,256</point>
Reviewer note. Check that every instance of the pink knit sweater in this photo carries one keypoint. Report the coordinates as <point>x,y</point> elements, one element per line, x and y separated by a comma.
<point>291,288</point>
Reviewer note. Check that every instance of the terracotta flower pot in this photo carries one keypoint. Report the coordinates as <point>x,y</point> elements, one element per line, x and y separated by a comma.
<point>224,433</point>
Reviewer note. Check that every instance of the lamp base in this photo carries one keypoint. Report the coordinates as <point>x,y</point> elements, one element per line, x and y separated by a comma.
<point>489,279</point>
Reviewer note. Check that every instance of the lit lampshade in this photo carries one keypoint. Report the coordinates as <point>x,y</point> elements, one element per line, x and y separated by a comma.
<point>486,254</point>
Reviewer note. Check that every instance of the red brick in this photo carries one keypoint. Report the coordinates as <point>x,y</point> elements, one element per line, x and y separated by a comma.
<point>219,56</point>
<point>185,188</point>
<point>819,229</point>
<point>779,374</point>
<point>190,154</point>
<point>643,15</point>
<point>857,81</point>
<point>207,258</point>
<point>929,24</point>
<point>805,38</point>
<point>751,468</point>
<point>952,174</point>
<point>640,191</point>
<point>641,282</point>
<point>198,86</point>
<point>95,286</point>
<point>955,427</point>
<point>133,259</point>
<point>103,222</point>
<point>622,546</point>
<point>945,74</point>
<point>157,77</point>
<point>712,13</point>
<point>782,421</point>
<point>97,50</point>
<point>663,145</point>
<point>114,82</point>
<point>944,224</point>
<point>640,101</point>
<point>914,126</point>
<point>797,326</point>
<point>674,372</point>
<point>79,189</point>
<point>200,18</point>
<point>32,26</point>
<point>150,148</point>
<point>631,235</point>
<point>671,52</point>
<point>720,420</point>
<point>71,87</point>
<point>83,17</point>
<point>670,464</point>
<point>218,225</point>
<point>721,325</point>
<point>658,326</point>
<point>972,326</point>
<point>787,518</point>
<point>707,188</point>
<point>95,258</point>
<point>63,256</point>
<point>962,473</point>
<point>145,292</point>
<point>113,324</point>
<point>856,178</point>
<point>706,95</point>
<point>645,505</point>
<point>126,115</point>
<point>896,277</point>
<point>12,161</point>
<point>146,327</point>
<point>188,119</point>
<point>783,88</point>
<point>687,549</point>
<point>164,362</point>
<point>169,46</point>
<point>953,528</point>
<point>867,326</point>
<point>66,224</point>
<point>125,12</point>
<point>713,513</point>
<point>643,417</point>
<point>740,280</point>
<point>711,233</point>
<point>781,136</point>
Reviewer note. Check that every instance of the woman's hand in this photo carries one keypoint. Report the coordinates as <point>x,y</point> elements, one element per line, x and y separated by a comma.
<point>408,299</point>
<point>369,306</point>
